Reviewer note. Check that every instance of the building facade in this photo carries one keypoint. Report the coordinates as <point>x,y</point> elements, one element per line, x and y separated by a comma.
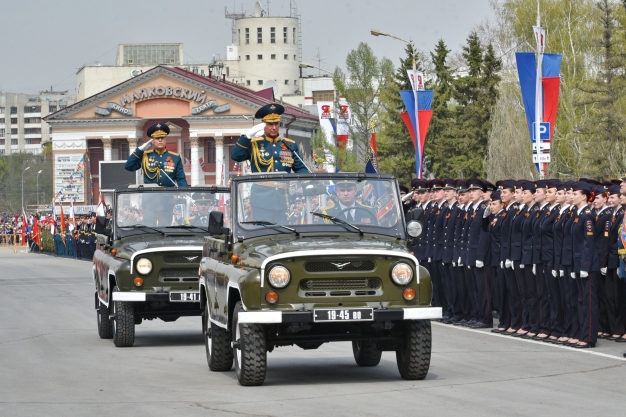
<point>206,117</point>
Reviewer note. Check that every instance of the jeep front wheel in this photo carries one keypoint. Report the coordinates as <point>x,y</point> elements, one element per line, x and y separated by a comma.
<point>105,328</point>
<point>413,355</point>
<point>366,353</point>
<point>249,350</point>
<point>123,322</point>
<point>219,354</point>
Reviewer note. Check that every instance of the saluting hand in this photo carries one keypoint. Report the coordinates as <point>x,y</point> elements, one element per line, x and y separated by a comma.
<point>255,131</point>
<point>145,145</point>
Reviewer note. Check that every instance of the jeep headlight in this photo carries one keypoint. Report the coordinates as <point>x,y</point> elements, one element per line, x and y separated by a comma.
<point>144,266</point>
<point>402,273</point>
<point>279,276</point>
<point>414,229</point>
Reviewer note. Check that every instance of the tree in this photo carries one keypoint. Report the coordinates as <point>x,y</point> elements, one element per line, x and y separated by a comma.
<point>323,153</point>
<point>360,87</point>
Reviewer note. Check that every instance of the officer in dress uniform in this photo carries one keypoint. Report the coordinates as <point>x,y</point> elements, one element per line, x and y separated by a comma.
<point>553,329</point>
<point>160,166</point>
<point>435,243</point>
<point>453,313</point>
<point>498,215</point>
<point>268,152</point>
<point>463,300</point>
<point>541,285</point>
<point>614,285</point>
<point>601,234</point>
<point>204,203</point>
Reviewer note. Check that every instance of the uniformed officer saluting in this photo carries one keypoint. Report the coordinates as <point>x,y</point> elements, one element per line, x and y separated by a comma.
<point>160,166</point>
<point>262,146</point>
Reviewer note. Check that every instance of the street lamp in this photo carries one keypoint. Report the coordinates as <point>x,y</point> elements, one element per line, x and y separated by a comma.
<point>38,188</point>
<point>307,65</point>
<point>377,32</point>
<point>26,169</point>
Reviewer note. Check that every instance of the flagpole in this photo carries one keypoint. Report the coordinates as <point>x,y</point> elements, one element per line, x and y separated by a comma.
<point>418,142</point>
<point>539,92</point>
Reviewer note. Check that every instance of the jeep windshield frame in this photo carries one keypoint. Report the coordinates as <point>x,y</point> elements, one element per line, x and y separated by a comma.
<point>160,208</point>
<point>322,185</point>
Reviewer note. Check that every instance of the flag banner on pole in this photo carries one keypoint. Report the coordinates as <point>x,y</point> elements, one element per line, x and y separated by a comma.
<point>24,221</point>
<point>551,81</point>
<point>202,164</point>
<point>62,225</point>
<point>371,164</point>
<point>36,232</point>
<point>425,113</point>
<point>54,218</point>
<point>420,80</point>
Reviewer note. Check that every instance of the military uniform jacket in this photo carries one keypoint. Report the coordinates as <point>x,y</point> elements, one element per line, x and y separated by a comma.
<point>527,234</point>
<point>420,252</point>
<point>477,237</point>
<point>268,155</point>
<point>614,227</point>
<point>549,217</point>
<point>536,234</point>
<point>430,228</point>
<point>559,224</point>
<point>567,250</point>
<point>464,238</point>
<point>495,237</point>
<point>584,243</point>
<point>507,223</point>
<point>601,234</point>
<point>515,242</point>
<point>155,165</point>
<point>439,237</point>
<point>458,233</point>
<point>449,232</point>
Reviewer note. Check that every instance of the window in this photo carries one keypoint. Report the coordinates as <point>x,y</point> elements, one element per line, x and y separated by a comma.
<point>323,95</point>
<point>286,82</point>
<point>32,130</point>
<point>247,36</point>
<point>284,35</point>
<point>2,133</point>
<point>294,35</point>
<point>13,120</point>
<point>32,109</point>
<point>1,109</point>
<point>2,120</point>
<point>123,151</point>
<point>247,82</point>
<point>2,143</point>
<point>32,119</point>
<point>295,82</point>
<point>260,82</point>
<point>210,152</point>
<point>62,106</point>
<point>53,109</point>
<point>238,36</point>
<point>286,56</point>
<point>273,56</point>
<point>186,152</point>
<point>272,35</point>
<point>154,54</point>
<point>247,57</point>
<point>35,141</point>
<point>13,110</point>
<point>14,131</point>
<point>13,141</point>
<point>259,57</point>
<point>259,35</point>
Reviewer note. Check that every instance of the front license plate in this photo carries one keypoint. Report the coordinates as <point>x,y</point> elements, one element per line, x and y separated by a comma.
<point>185,297</point>
<point>343,314</point>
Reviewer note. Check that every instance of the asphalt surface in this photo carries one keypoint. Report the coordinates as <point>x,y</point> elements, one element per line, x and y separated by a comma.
<point>52,363</point>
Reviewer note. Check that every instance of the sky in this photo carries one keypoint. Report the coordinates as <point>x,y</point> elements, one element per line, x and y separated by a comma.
<point>45,43</point>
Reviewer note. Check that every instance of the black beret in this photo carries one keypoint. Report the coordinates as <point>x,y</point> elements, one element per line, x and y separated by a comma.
<point>614,189</point>
<point>599,189</point>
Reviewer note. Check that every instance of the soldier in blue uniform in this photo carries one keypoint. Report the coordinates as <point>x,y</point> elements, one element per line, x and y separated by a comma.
<point>160,166</point>
<point>268,152</point>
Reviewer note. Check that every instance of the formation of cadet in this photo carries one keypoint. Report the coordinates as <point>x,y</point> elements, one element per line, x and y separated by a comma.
<point>544,255</point>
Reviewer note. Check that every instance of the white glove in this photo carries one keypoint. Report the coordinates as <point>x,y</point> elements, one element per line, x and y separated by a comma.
<point>454,264</point>
<point>486,213</point>
<point>468,267</point>
<point>479,264</point>
<point>603,271</point>
<point>442,263</point>
<point>554,273</point>
<point>534,269</point>
<point>145,145</point>
<point>254,132</point>
<point>501,264</point>
<point>521,266</point>
<point>428,260</point>
<point>459,261</point>
<point>561,273</point>
<point>508,263</point>
<point>460,264</point>
<point>573,274</point>
<point>584,274</point>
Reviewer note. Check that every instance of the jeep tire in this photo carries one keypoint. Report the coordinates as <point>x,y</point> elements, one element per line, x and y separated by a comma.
<point>251,353</point>
<point>366,353</point>
<point>219,354</point>
<point>413,355</point>
<point>105,327</point>
<point>123,322</point>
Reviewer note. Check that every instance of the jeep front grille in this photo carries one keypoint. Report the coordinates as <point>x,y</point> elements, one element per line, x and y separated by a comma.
<point>183,258</point>
<point>337,284</point>
<point>339,266</point>
<point>178,275</point>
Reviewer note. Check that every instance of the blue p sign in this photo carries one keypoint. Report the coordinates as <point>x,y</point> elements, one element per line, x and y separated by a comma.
<point>544,131</point>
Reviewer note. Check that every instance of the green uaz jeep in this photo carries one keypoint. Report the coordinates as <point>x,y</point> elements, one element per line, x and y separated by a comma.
<point>309,259</point>
<point>147,257</point>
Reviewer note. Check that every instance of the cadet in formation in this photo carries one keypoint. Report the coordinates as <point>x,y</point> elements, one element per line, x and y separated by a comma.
<point>547,256</point>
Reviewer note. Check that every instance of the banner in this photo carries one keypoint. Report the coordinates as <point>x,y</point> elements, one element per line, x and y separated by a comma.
<point>425,113</point>
<point>329,127</point>
<point>420,79</point>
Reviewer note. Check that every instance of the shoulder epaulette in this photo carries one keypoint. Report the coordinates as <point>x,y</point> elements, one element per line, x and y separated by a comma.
<point>173,153</point>
<point>289,140</point>
<point>258,138</point>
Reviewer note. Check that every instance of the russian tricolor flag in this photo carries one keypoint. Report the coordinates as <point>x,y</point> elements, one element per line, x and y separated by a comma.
<point>425,113</point>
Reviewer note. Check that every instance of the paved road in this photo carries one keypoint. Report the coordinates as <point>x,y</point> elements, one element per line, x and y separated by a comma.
<point>53,363</point>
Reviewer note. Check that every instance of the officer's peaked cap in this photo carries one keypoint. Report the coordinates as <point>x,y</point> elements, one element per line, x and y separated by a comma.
<point>158,130</point>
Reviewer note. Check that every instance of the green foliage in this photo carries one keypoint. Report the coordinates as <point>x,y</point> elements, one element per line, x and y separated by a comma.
<point>324,154</point>
<point>11,169</point>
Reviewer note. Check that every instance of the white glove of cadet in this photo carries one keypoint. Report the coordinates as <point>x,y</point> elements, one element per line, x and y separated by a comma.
<point>554,273</point>
<point>486,213</point>
<point>254,132</point>
<point>479,264</point>
<point>534,269</point>
<point>603,270</point>
<point>508,263</point>
<point>428,260</point>
<point>145,145</point>
<point>501,264</point>
<point>521,266</point>
<point>454,264</point>
<point>573,274</point>
<point>561,273</point>
<point>584,274</point>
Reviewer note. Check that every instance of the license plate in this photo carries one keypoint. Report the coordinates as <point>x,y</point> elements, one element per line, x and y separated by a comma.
<point>343,314</point>
<point>185,297</point>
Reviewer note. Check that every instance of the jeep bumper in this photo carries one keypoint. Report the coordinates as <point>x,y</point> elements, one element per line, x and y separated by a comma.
<point>422,313</point>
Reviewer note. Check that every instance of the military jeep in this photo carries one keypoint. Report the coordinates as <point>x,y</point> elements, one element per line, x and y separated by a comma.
<point>146,261</point>
<point>309,259</point>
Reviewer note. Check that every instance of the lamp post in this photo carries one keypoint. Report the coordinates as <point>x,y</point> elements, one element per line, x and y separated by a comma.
<point>38,188</point>
<point>418,151</point>
<point>25,169</point>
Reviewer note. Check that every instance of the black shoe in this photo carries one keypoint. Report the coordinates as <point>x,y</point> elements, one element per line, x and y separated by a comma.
<point>624,355</point>
<point>497,330</point>
<point>518,334</point>
<point>587,346</point>
<point>460,322</point>
<point>481,325</point>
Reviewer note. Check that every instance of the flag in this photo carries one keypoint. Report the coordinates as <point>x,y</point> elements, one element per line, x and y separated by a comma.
<point>202,164</point>
<point>36,233</point>
<point>371,164</point>
<point>24,222</point>
<point>72,218</point>
<point>100,211</point>
<point>54,219</point>
<point>62,225</point>
<point>425,113</point>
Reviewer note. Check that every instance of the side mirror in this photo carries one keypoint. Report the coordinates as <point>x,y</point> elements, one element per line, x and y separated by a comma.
<point>101,226</point>
<point>216,223</point>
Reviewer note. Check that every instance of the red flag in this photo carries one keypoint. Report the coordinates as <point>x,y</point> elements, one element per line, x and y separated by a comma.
<point>36,233</point>
<point>424,118</point>
<point>24,230</point>
<point>202,164</point>
<point>373,144</point>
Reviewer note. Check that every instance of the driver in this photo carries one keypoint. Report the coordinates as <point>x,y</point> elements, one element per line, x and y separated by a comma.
<point>204,204</point>
<point>348,208</point>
